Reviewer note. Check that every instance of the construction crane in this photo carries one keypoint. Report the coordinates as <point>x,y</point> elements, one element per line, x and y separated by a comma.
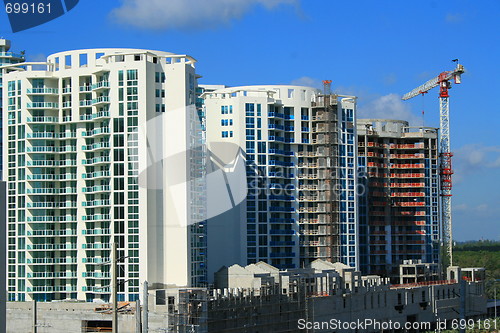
<point>443,80</point>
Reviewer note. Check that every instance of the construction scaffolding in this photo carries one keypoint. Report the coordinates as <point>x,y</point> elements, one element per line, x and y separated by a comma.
<point>267,309</point>
<point>318,183</point>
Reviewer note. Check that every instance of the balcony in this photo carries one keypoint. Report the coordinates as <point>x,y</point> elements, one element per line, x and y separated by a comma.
<point>280,152</point>
<point>96,217</point>
<point>45,247</point>
<point>65,232</point>
<point>276,138</point>
<point>276,127</point>
<point>51,163</point>
<point>96,275</point>
<point>95,203</point>
<point>86,102</point>
<point>89,117</point>
<point>46,218</point>
<point>100,100</point>
<point>96,146</point>
<point>42,119</point>
<point>66,135</point>
<point>100,85</point>
<point>44,261</point>
<point>281,163</point>
<point>96,260</point>
<point>50,135</point>
<point>47,190</point>
<point>42,91</point>
<point>97,131</point>
<point>96,232</point>
<point>276,115</point>
<point>94,189</point>
<point>66,176</point>
<point>96,160</point>
<point>95,289</point>
<point>96,246</point>
<point>42,105</point>
<point>52,275</point>
<point>93,175</point>
<point>86,88</point>
<point>51,149</point>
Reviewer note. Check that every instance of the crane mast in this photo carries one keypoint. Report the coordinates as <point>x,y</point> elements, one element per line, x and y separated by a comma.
<point>443,80</point>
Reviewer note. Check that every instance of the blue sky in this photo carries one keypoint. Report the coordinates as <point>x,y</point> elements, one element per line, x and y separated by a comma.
<point>377,50</point>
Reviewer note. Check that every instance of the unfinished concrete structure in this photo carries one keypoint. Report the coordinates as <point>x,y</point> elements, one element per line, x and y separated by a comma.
<point>414,271</point>
<point>399,210</point>
<point>260,298</point>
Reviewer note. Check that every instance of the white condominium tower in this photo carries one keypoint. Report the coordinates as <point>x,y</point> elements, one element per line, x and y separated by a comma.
<point>103,146</point>
<point>299,147</point>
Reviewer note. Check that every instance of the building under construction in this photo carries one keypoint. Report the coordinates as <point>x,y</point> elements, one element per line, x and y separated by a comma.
<point>399,215</point>
<point>260,298</point>
<point>319,215</point>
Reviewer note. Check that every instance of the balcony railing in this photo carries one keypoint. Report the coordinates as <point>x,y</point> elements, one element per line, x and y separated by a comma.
<point>42,105</point>
<point>100,84</point>
<point>42,90</point>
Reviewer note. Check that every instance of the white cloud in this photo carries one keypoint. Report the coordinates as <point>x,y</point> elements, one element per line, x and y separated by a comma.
<point>473,158</point>
<point>187,14</point>
<point>307,82</point>
<point>389,107</point>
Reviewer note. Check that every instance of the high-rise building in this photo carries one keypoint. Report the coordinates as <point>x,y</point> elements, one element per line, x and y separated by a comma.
<point>399,210</point>
<point>6,57</point>
<point>103,146</point>
<point>299,147</point>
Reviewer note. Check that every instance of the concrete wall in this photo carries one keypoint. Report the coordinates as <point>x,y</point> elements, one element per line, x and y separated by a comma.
<point>69,317</point>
